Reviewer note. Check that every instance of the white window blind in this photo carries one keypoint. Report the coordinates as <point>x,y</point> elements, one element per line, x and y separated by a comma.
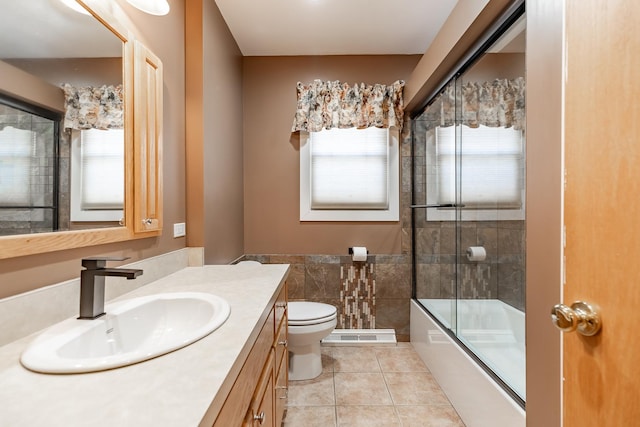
<point>102,169</point>
<point>97,175</point>
<point>349,169</point>
<point>16,149</point>
<point>490,172</point>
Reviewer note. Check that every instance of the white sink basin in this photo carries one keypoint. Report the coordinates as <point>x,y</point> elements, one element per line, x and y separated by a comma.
<point>132,331</point>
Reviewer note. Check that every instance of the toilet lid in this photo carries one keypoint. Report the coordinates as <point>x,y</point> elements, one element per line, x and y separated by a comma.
<point>248,263</point>
<point>303,311</point>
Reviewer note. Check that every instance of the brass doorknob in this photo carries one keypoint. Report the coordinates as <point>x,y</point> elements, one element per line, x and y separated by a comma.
<point>581,316</point>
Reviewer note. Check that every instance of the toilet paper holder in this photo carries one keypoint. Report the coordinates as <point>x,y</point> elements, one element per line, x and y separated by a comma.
<point>351,251</point>
<point>476,253</point>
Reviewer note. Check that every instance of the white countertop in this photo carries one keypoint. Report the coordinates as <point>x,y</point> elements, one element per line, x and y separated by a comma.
<point>181,388</point>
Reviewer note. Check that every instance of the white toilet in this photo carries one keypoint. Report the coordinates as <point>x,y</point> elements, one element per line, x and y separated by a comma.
<point>308,323</point>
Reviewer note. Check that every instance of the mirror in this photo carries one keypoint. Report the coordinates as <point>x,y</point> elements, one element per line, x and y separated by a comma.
<point>23,78</point>
<point>46,44</point>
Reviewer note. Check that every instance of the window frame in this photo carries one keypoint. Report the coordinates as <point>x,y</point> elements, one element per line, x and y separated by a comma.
<point>390,214</point>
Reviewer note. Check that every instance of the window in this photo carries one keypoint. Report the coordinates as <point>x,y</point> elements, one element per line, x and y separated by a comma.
<point>97,175</point>
<point>349,175</point>
<point>488,175</point>
<point>16,149</point>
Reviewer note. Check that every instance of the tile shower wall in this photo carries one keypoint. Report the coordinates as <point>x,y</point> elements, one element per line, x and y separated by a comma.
<point>500,276</point>
<point>64,183</point>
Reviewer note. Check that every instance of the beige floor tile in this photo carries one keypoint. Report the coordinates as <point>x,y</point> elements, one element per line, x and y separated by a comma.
<point>359,386</point>
<point>366,388</point>
<point>327,359</point>
<point>400,359</point>
<point>429,416</point>
<point>355,359</point>
<point>414,388</point>
<point>310,416</point>
<point>367,416</point>
<point>316,392</point>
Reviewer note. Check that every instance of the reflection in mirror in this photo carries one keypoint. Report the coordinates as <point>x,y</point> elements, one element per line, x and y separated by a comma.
<point>28,168</point>
<point>43,45</point>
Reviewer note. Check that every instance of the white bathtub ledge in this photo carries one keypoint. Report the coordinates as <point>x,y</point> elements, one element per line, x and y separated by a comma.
<point>479,401</point>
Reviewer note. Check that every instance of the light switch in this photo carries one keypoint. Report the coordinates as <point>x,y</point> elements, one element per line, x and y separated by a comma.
<point>179,229</point>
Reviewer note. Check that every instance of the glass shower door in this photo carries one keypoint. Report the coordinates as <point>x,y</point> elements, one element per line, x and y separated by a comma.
<point>435,234</point>
<point>490,185</point>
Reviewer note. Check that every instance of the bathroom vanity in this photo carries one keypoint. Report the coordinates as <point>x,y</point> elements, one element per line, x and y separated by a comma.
<point>236,376</point>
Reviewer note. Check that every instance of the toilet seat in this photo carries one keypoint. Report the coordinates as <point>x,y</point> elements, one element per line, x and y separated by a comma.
<point>303,313</point>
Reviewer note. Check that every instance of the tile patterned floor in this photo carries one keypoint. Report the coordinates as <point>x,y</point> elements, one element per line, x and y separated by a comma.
<point>370,386</point>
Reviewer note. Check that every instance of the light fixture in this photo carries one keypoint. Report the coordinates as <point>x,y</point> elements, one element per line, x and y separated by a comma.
<point>74,5</point>
<point>152,7</point>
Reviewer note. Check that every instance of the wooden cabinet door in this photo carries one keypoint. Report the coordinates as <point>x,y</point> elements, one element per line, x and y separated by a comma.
<point>147,128</point>
<point>261,411</point>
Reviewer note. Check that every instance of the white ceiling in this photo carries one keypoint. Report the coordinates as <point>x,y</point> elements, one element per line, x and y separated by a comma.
<point>334,27</point>
<point>45,28</point>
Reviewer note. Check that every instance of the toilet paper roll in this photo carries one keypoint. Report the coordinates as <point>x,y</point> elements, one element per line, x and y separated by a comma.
<point>476,253</point>
<point>359,253</point>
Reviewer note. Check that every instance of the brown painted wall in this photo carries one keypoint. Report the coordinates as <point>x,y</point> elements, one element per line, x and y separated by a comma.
<point>214,135</point>
<point>165,37</point>
<point>496,66</point>
<point>271,159</point>
<point>223,150</point>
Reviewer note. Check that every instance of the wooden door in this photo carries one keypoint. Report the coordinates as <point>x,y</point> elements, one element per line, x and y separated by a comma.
<point>602,210</point>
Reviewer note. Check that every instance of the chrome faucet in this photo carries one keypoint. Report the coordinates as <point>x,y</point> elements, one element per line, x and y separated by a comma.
<point>92,284</point>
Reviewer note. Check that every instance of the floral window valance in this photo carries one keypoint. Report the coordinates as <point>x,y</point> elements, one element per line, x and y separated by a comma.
<point>499,103</point>
<point>326,105</point>
<point>90,107</point>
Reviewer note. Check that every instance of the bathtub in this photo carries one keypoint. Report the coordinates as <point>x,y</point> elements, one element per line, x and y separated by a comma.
<point>495,331</point>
